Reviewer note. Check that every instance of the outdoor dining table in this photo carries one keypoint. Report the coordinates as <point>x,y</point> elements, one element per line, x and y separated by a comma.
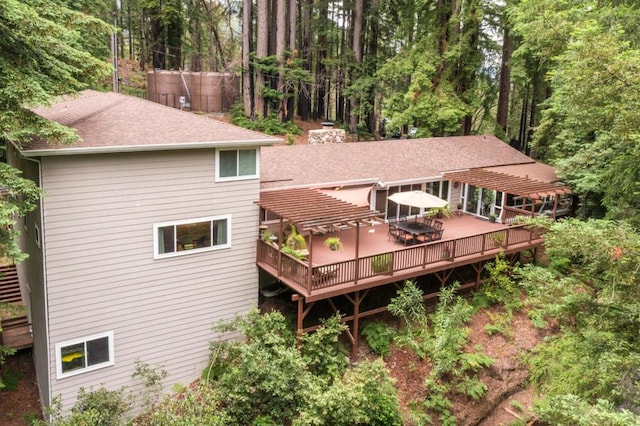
<point>415,230</point>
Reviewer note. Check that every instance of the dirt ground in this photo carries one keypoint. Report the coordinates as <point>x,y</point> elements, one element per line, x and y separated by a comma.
<point>19,406</point>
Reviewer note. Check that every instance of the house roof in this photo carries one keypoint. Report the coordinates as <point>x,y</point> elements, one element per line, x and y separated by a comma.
<point>112,122</point>
<point>388,162</point>
<point>311,209</point>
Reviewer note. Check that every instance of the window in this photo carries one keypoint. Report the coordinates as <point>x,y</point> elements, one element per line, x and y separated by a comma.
<point>234,164</point>
<point>85,354</point>
<point>189,236</point>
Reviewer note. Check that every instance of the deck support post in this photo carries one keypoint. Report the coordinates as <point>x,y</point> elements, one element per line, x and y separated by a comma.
<point>357,271</point>
<point>356,326</point>
<point>299,323</point>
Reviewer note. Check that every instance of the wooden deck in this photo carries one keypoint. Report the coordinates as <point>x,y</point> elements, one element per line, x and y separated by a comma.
<point>370,258</point>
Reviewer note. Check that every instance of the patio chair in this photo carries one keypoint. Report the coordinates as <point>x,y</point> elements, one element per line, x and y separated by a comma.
<point>437,235</point>
<point>406,238</point>
<point>437,224</point>
<point>394,232</point>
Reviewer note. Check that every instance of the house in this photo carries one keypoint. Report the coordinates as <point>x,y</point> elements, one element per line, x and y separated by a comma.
<point>343,190</point>
<point>145,237</point>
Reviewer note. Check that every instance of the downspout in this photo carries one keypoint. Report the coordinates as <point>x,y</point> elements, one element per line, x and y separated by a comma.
<point>44,279</point>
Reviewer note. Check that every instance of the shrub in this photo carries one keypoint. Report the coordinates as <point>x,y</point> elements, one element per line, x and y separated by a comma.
<point>379,337</point>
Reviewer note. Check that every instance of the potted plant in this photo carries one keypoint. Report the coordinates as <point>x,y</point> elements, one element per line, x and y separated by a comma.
<point>493,217</point>
<point>439,212</point>
<point>333,243</point>
<point>295,241</point>
<point>268,236</point>
<point>381,263</point>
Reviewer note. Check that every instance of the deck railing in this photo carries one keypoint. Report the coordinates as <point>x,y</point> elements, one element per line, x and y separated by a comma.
<point>417,256</point>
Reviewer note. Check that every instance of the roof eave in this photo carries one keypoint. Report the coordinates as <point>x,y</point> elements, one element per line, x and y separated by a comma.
<point>144,148</point>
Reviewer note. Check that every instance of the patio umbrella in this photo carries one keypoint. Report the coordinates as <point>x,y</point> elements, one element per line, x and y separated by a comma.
<point>418,199</point>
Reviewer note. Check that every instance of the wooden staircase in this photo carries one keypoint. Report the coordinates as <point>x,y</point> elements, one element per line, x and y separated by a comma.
<point>16,330</point>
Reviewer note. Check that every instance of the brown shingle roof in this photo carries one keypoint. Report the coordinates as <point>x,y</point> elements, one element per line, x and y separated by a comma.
<point>389,161</point>
<point>111,122</point>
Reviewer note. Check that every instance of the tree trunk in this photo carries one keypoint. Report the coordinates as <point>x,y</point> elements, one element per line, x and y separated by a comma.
<point>281,42</point>
<point>358,12</point>
<point>247,68</point>
<point>262,50</point>
<point>304,93</point>
<point>502,114</point>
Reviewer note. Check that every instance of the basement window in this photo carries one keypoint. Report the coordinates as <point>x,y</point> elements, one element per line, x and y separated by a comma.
<point>84,354</point>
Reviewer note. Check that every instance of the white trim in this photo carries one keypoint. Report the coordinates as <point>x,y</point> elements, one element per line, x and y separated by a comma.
<point>157,255</point>
<point>256,175</point>
<point>145,148</point>
<point>59,346</point>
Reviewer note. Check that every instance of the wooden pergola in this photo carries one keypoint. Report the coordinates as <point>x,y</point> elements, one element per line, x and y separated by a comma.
<point>510,184</point>
<point>524,187</point>
<point>314,211</point>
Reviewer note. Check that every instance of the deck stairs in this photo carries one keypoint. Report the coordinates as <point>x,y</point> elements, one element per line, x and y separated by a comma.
<point>16,330</point>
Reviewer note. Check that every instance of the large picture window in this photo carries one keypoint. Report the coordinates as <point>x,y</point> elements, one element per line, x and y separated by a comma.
<point>190,236</point>
<point>233,164</point>
<point>85,354</point>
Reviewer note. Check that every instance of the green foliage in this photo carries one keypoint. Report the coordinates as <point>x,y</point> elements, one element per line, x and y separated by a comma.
<point>333,243</point>
<point>381,263</point>
<point>10,379</point>
<point>100,407</point>
<point>363,396</point>
<point>269,379</point>
<point>270,125</point>
<point>570,410</point>
<point>409,305</point>
<point>589,123</point>
<point>591,293</point>
<point>500,286</point>
<point>44,52</point>
<point>295,241</point>
<point>452,369</point>
<point>152,379</point>
<point>22,197</point>
<point>379,337</point>
<point>323,354</point>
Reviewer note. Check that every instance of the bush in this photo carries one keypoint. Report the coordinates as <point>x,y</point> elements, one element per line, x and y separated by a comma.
<point>269,125</point>
<point>379,337</point>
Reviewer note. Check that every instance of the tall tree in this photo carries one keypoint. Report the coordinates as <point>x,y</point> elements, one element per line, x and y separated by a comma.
<point>589,123</point>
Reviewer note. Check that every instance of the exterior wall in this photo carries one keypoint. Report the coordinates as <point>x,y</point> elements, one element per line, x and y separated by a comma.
<point>31,275</point>
<point>102,276</point>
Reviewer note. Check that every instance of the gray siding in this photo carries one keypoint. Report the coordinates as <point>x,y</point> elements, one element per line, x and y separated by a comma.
<point>32,284</point>
<point>99,216</point>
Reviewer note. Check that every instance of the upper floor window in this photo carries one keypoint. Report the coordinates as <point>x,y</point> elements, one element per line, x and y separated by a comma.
<point>193,235</point>
<point>233,164</point>
<point>84,354</point>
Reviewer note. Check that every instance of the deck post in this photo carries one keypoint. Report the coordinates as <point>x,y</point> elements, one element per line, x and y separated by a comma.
<point>357,271</point>
<point>310,263</point>
<point>356,326</point>
<point>300,300</point>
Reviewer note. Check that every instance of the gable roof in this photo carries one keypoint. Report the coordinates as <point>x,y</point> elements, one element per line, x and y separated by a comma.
<point>112,122</point>
<point>389,162</point>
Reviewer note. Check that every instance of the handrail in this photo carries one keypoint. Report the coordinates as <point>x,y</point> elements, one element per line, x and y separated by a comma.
<point>354,270</point>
